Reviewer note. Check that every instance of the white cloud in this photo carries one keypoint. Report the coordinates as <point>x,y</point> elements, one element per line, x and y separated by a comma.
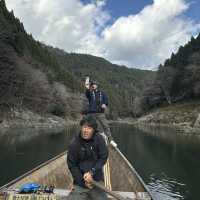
<point>148,38</point>
<point>142,40</point>
<point>69,25</point>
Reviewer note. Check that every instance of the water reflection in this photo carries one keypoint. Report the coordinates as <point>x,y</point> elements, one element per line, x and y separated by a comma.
<point>20,153</point>
<point>164,187</point>
<point>168,163</point>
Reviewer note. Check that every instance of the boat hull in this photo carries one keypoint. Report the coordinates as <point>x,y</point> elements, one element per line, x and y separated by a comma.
<point>55,172</point>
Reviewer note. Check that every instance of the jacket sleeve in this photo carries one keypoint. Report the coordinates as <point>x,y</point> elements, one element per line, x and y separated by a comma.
<point>102,155</point>
<point>72,161</point>
<point>105,98</point>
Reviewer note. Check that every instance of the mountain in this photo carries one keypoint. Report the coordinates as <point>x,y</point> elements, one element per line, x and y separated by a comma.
<point>123,85</point>
<point>47,80</point>
<point>178,79</point>
<point>31,78</point>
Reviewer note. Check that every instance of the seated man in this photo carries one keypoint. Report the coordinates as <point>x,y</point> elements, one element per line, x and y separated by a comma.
<point>86,157</point>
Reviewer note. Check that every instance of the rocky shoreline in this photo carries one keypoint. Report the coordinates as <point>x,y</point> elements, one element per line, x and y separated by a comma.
<point>184,118</point>
<point>22,120</point>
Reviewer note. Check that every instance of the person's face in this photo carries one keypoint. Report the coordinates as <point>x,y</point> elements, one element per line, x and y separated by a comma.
<point>86,132</point>
<point>94,86</point>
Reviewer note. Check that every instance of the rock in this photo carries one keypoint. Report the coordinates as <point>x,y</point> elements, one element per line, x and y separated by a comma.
<point>197,122</point>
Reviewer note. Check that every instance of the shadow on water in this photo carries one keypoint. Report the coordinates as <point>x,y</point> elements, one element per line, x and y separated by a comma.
<point>22,151</point>
<point>169,163</point>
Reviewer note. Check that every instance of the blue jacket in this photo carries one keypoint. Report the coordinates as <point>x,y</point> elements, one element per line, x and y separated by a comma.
<point>96,99</point>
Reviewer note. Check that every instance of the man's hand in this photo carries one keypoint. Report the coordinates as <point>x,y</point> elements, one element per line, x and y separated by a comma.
<point>87,82</point>
<point>88,180</point>
<point>72,188</point>
<point>87,177</point>
<point>87,86</point>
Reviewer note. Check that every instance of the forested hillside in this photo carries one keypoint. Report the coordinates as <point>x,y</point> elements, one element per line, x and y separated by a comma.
<point>178,80</point>
<point>123,85</point>
<point>46,80</point>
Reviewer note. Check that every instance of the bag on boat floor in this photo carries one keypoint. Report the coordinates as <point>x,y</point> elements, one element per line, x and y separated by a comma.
<point>29,188</point>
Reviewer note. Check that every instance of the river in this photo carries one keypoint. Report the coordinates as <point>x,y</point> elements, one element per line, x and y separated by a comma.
<point>169,163</point>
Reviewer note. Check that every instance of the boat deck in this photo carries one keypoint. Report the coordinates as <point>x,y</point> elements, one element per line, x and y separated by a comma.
<point>61,194</point>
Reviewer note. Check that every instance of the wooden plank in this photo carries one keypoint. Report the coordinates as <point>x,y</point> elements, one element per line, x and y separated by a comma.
<point>32,197</point>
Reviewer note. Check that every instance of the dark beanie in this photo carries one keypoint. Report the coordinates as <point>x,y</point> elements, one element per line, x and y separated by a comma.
<point>93,82</point>
<point>89,121</point>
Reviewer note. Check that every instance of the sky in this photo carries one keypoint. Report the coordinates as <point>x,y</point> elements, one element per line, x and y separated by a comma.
<point>136,33</point>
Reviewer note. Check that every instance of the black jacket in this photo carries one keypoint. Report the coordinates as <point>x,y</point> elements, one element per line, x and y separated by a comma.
<point>87,155</point>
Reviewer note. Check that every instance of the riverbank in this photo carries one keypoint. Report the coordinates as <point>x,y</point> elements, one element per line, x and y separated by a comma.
<point>26,119</point>
<point>182,117</point>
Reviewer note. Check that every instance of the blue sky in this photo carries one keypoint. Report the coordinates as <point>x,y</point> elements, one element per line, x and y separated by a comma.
<point>194,10</point>
<point>136,33</point>
<point>119,8</point>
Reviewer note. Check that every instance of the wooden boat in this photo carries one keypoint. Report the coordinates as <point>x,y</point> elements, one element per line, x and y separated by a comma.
<point>123,177</point>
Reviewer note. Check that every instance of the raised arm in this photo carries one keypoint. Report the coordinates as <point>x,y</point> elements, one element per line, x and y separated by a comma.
<point>87,86</point>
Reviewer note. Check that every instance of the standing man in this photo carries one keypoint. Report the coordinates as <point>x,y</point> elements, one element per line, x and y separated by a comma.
<point>86,157</point>
<point>98,102</point>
